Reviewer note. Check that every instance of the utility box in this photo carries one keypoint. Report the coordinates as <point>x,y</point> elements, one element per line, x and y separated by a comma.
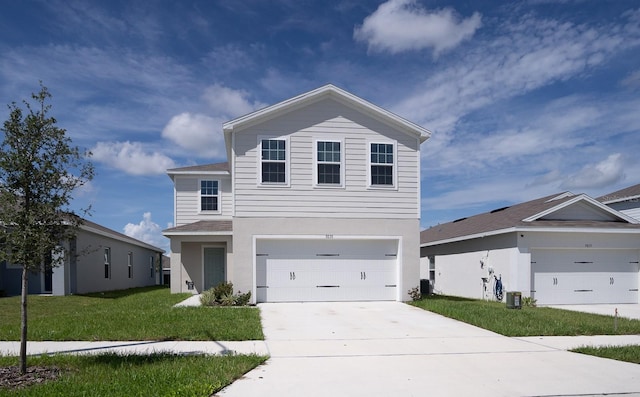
<point>514,300</point>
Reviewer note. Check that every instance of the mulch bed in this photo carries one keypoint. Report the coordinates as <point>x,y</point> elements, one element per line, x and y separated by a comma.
<point>11,378</point>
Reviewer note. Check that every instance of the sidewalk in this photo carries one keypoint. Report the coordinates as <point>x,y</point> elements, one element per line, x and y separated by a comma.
<point>137,347</point>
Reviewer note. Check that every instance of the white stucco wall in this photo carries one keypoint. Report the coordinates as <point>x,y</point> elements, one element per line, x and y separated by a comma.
<point>244,229</point>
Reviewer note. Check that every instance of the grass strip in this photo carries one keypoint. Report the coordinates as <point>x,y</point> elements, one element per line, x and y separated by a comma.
<point>161,374</point>
<point>528,321</point>
<point>621,353</point>
<point>135,314</point>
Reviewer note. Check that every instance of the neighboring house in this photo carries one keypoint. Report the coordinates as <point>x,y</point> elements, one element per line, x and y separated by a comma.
<point>319,201</point>
<point>626,201</point>
<point>560,249</point>
<point>166,270</point>
<point>98,259</point>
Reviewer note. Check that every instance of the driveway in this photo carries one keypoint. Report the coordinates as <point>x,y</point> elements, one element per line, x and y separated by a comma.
<point>393,349</point>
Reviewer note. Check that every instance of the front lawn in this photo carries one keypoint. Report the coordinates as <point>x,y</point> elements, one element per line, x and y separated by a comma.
<point>136,314</point>
<point>161,374</point>
<point>528,321</point>
<point>621,353</point>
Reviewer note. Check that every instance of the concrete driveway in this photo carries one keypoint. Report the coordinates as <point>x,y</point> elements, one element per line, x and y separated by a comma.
<point>393,349</point>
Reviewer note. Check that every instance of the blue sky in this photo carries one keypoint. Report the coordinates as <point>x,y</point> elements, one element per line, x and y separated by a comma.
<point>524,98</point>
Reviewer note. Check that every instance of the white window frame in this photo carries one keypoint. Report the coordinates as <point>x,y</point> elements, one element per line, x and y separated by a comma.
<point>394,174</point>
<point>286,161</point>
<point>340,163</point>
<point>130,264</point>
<point>219,196</point>
<point>106,252</point>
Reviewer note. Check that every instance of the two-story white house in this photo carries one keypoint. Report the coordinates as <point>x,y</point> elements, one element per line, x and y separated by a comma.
<point>319,201</point>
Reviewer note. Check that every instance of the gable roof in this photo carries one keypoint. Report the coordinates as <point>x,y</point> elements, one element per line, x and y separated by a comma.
<point>557,211</point>
<point>93,227</point>
<point>629,193</point>
<point>326,91</point>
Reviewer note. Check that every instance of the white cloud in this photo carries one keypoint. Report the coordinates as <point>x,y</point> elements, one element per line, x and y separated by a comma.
<point>604,173</point>
<point>229,102</point>
<point>199,134</point>
<point>131,158</point>
<point>528,53</point>
<point>402,25</point>
<point>146,230</point>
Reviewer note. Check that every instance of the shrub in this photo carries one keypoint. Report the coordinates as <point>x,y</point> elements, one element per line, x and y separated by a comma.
<point>222,295</point>
<point>528,301</point>
<point>415,294</point>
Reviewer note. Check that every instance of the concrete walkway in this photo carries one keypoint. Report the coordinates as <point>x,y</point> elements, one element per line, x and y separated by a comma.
<point>393,349</point>
<point>137,347</point>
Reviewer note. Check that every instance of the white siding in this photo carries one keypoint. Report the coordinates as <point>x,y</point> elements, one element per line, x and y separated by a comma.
<point>462,274</point>
<point>329,120</point>
<point>188,194</point>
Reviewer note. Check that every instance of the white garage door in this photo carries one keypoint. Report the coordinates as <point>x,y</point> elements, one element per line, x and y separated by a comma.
<point>585,276</point>
<point>326,270</point>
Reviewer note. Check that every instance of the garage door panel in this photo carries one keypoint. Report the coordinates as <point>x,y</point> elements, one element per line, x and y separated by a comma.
<point>326,271</point>
<point>585,276</point>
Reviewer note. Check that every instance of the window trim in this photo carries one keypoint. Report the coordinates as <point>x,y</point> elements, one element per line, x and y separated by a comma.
<point>219,196</point>
<point>340,163</point>
<point>106,255</point>
<point>287,162</point>
<point>152,267</point>
<point>394,171</point>
<point>130,264</point>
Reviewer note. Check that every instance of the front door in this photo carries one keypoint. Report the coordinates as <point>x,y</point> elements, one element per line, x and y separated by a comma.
<point>214,267</point>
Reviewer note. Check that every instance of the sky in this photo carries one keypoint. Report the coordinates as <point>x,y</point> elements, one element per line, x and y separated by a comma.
<point>524,98</point>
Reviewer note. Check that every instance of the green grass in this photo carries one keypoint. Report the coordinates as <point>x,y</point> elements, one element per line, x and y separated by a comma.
<point>134,375</point>
<point>136,314</point>
<point>528,321</point>
<point>621,353</point>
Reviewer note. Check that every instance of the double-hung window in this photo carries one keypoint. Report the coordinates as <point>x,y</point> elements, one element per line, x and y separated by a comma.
<point>209,195</point>
<point>329,163</point>
<point>382,164</point>
<point>273,161</point>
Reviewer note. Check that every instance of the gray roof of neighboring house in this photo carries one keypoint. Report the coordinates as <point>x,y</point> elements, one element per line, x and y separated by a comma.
<point>514,216</point>
<point>628,193</point>
<point>202,227</point>
<point>215,167</point>
<point>96,228</point>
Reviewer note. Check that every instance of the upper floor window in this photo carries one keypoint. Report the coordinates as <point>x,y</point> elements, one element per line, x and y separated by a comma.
<point>273,161</point>
<point>382,162</point>
<point>328,163</point>
<point>209,195</point>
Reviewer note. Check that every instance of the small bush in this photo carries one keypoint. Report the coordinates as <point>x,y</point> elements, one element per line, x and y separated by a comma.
<point>222,295</point>
<point>415,294</point>
<point>223,289</point>
<point>528,301</point>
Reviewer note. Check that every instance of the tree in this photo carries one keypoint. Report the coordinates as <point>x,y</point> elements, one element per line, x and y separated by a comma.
<point>39,170</point>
